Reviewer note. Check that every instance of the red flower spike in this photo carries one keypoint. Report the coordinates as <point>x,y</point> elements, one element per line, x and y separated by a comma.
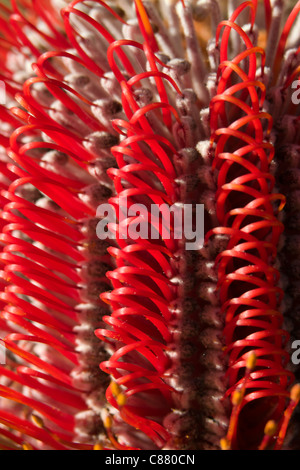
<point>233,278</point>
<point>192,346</point>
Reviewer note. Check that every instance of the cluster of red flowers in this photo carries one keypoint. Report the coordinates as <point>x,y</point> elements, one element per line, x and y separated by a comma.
<point>132,343</point>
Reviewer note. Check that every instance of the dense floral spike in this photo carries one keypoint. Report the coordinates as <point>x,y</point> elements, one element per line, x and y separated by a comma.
<point>246,274</point>
<point>55,267</point>
<point>285,113</point>
<point>114,108</point>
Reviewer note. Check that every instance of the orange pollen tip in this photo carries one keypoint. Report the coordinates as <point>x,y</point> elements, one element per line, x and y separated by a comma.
<point>27,446</point>
<point>115,389</point>
<point>121,399</point>
<point>270,428</point>
<point>98,447</point>
<point>295,393</point>
<point>237,397</point>
<point>37,421</point>
<point>107,423</point>
<point>251,361</point>
<point>144,17</point>
<point>225,444</point>
<point>70,221</point>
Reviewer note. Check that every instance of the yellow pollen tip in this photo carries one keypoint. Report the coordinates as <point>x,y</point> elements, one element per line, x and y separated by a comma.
<point>115,389</point>
<point>121,399</point>
<point>107,423</point>
<point>295,393</point>
<point>237,397</point>
<point>251,361</point>
<point>225,444</point>
<point>27,446</point>
<point>98,447</point>
<point>270,428</point>
<point>37,421</point>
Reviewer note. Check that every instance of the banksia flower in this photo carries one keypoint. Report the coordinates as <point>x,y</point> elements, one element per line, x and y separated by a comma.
<point>145,335</point>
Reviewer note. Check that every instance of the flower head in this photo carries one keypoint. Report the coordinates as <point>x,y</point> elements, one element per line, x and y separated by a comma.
<point>133,342</point>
